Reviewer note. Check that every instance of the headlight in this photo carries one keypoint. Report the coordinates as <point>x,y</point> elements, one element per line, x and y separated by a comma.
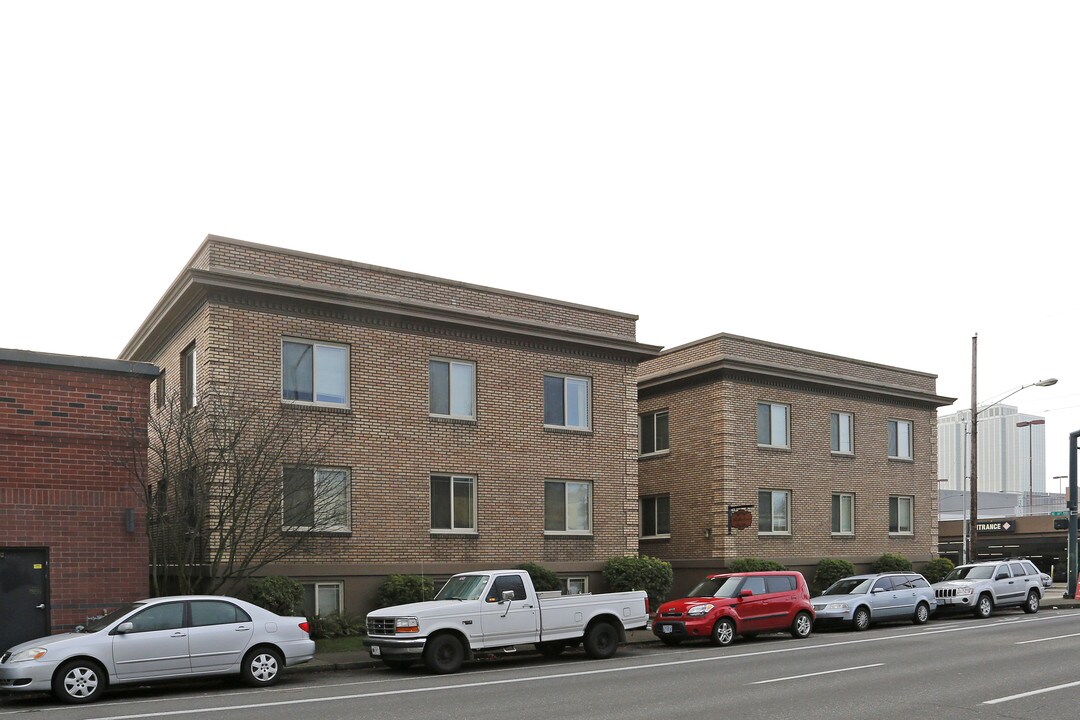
<point>699,610</point>
<point>965,590</point>
<point>837,606</point>
<point>28,654</point>
<point>406,625</point>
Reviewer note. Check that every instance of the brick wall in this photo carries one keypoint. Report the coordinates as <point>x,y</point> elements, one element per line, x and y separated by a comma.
<point>65,435</point>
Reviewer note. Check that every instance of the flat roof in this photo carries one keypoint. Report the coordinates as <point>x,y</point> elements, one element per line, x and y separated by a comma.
<point>78,362</point>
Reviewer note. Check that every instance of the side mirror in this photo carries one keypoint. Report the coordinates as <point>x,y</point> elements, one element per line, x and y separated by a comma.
<point>124,627</point>
<point>878,590</point>
<point>1002,576</point>
<point>746,593</point>
<point>507,595</point>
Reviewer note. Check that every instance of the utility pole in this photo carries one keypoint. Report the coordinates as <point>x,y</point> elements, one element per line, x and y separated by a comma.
<point>1070,591</point>
<point>973,525</point>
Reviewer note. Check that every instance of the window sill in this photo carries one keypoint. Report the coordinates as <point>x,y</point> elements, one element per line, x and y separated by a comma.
<point>454,533</point>
<point>848,535</point>
<point>836,454</point>
<point>901,459</point>
<point>310,406</point>
<point>901,534</point>
<point>655,537</point>
<point>566,430</point>
<point>316,533</point>
<point>453,419</point>
<point>658,453</point>
<point>780,448</point>
<point>774,534</point>
<point>568,533</point>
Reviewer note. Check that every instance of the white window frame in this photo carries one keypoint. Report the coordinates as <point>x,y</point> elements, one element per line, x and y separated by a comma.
<point>580,580</point>
<point>656,523</point>
<point>454,479</point>
<point>566,484</point>
<point>772,424</point>
<point>316,472</point>
<point>772,524</point>
<point>910,511</point>
<point>910,449</point>
<point>315,585</point>
<point>842,419</point>
<point>189,386</point>
<point>450,387</point>
<point>648,420</point>
<point>314,401</point>
<point>588,401</point>
<point>850,497</point>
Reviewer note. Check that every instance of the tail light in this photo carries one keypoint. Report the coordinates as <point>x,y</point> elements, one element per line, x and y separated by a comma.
<point>306,627</point>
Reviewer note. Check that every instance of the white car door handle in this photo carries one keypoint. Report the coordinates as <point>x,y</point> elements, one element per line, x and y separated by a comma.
<point>242,629</point>
<point>178,635</point>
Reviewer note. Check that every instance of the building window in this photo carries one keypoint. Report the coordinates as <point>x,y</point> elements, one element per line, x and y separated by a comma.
<point>843,514</point>
<point>566,401</point>
<point>189,397</point>
<point>900,513</point>
<point>654,432</point>
<point>160,387</point>
<point>567,507</point>
<point>900,439</point>
<point>840,424</point>
<point>453,503</point>
<point>322,598</point>
<point>574,585</point>
<point>656,516</point>
<point>315,499</point>
<point>774,512</point>
<point>316,373</point>
<point>452,388</point>
<point>772,425</point>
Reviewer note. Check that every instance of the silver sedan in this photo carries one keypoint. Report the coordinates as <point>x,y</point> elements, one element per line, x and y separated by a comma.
<point>158,639</point>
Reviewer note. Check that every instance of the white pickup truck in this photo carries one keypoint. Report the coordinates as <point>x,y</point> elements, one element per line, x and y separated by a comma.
<point>497,610</point>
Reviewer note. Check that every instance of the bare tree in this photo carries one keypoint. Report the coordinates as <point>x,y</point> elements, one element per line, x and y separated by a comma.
<point>230,487</point>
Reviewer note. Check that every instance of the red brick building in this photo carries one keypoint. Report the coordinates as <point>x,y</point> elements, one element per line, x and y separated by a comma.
<point>71,538</point>
<point>471,427</point>
<point>831,456</point>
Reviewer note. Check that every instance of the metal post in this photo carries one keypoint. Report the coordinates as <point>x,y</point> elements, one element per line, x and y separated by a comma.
<point>973,524</point>
<point>1070,592</point>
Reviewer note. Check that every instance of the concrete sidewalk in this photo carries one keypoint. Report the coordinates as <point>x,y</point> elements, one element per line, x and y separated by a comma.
<point>359,659</point>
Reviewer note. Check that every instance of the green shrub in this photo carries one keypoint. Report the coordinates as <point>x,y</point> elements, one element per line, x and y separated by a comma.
<point>937,569</point>
<point>640,573</point>
<point>277,594</point>
<point>829,570</point>
<point>891,562</point>
<point>402,589</point>
<point>753,565</point>
<point>542,578</point>
<point>335,626</point>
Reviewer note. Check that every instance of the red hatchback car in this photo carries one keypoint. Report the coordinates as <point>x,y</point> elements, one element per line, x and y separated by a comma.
<point>723,606</point>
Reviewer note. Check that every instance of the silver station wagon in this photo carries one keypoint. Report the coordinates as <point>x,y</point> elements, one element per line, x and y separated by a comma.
<point>860,600</point>
<point>163,638</point>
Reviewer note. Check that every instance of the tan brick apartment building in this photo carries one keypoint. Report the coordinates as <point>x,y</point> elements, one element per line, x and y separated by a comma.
<point>72,541</point>
<point>472,427</point>
<point>834,457</point>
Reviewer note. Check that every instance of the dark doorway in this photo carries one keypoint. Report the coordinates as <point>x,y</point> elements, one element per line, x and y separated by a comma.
<point>24,595</point>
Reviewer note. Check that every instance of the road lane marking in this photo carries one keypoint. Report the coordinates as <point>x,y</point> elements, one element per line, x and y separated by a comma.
<point>1056,637</point>
<point>1030,693</point>
<point>815,674</point>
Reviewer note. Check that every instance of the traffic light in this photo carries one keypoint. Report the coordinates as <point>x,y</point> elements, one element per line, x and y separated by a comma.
<point>1061,523</point>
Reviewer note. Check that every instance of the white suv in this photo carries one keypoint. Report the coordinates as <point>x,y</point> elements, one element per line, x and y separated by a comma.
<point>981,587</point>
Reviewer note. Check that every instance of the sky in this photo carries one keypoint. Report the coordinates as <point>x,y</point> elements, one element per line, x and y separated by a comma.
<point>874,180</point>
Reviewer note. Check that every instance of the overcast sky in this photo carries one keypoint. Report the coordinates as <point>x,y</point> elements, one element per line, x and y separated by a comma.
<point>875,180</point>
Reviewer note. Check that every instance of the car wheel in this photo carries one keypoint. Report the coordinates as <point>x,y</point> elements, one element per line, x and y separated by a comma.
<point>79,681</point>
<point>443,654</point>
<point>1032,604</point>
<point>984,606</point>
<point>922,614</point>
<point>670,642</point>
<point>261,667</point>
<point>861,619</point>
<point>396,664</point>
<point>601,641</point>
<point>723,632</point>
<point>550,649</point>
<point>802,626</point>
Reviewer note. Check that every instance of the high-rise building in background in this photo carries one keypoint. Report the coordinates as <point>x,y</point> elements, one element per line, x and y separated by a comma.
<point>1011,459</point>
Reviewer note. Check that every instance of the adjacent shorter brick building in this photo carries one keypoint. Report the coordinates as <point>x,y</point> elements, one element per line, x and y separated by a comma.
<point>71,535</point>
<point>832,457</point>
<point>471,427</point>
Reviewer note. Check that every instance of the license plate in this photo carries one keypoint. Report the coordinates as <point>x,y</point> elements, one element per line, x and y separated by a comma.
<point>376,651</point>
<point>665,628</point>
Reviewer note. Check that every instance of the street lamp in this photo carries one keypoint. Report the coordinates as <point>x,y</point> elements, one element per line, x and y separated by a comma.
<point>973,526</point>
<point>1028,424</point>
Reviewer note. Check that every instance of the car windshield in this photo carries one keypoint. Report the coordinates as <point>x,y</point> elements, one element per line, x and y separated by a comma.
<point>100,623</point>
<point>971,572</point>
<point>849,586</point>
<point>721,587</point>
<point>463,587</point>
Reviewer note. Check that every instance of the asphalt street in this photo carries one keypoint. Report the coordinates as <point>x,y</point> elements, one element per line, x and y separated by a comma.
<point>1010,666</point>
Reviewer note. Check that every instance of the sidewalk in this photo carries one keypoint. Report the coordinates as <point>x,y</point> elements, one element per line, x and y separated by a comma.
<point>359,659</point>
